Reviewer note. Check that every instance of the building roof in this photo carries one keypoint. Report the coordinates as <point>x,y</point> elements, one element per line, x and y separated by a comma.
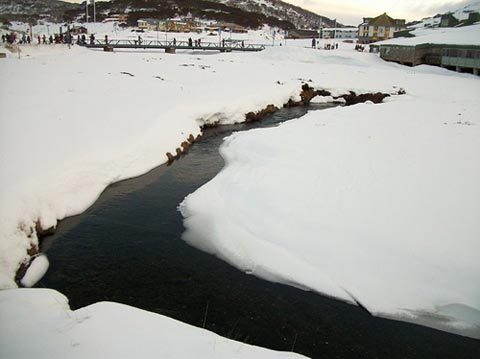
<point>467,35</point>
<point>382,20</point>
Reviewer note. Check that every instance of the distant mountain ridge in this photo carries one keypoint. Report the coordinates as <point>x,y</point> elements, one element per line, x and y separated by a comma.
<point>248,13</point>
<point>301,18</point>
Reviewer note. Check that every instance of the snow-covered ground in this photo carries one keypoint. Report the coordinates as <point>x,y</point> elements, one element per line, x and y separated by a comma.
<point>38,323</point>
<point>376,202</point>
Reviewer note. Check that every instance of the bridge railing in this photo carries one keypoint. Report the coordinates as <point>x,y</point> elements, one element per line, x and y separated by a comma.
<point>147,43</point>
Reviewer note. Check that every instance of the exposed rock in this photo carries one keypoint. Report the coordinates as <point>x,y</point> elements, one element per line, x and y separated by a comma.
<point>170,157</point>
<point>185,145</point>
<point>292,103</point>
<point>307,94</point>
<point>257,116</point>
<point>43,232</point>
<point>323,93</point>
<point>352,98</point>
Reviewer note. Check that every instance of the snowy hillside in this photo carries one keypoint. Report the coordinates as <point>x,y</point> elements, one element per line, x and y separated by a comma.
<point>301,18</point>
<point>459,14</point>
<point>462,14</point>
<point>29,10</point>
<point>251,13</point>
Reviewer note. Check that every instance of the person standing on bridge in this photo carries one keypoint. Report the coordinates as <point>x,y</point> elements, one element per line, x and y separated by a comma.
<point>190,42</point>
<point>174,42</point>
<point>106,39</point>
<point>92,39</point>
<point>139,40</point>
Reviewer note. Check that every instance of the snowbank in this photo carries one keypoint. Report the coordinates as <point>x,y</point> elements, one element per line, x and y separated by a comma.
<point>94,118</point>
<point>38,323</point>
<point>75,121</point>
<point>377,204</point>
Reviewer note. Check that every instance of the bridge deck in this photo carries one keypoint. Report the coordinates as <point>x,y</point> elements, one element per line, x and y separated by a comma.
<point>226,46</point>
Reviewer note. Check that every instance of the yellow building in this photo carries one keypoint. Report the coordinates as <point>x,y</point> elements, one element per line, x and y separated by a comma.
<point>379,28</point>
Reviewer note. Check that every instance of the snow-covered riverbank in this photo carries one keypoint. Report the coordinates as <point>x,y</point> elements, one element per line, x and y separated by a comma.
<point>74,121</point>
<point>41,325</point>
<point>376,202</point>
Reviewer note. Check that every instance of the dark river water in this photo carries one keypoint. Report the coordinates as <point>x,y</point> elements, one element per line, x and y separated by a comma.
<point>127,248</point>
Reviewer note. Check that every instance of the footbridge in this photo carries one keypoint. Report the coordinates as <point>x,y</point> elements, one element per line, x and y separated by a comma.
<point>172,46</point>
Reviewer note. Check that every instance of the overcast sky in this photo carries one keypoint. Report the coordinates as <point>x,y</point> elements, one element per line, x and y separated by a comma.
<point>351,12</point>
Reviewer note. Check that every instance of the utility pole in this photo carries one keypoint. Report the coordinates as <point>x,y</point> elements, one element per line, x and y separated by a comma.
<point>94,14</point>
<point>86,11</point>
<point>166,30</point>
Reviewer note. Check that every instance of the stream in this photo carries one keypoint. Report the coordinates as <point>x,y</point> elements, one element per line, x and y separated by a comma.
<point>127,248</point>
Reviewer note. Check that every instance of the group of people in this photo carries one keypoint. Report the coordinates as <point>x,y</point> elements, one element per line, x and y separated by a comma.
<point>198,42</point>
<point>328,46</point>
<point>360,48</point>
<point>13,38</point>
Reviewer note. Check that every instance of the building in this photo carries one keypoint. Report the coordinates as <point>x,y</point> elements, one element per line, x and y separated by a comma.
<point>227,27</point>
<point>147,24</point>
<point>339,33</point>
<point>302,34</point>
<point>119,18</point>
<point>78,30</point>
<point>448,20</point>
<point>379,28</point>
<point>461,58</point>
<point>187,24</point>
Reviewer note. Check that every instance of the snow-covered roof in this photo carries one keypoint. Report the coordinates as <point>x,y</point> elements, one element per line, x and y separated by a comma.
<point>382,20</point>
<point>340,29</point>
<point>468,35</point>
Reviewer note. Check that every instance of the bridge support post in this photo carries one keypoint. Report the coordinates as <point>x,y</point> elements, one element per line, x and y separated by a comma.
<point>170,50</point>
<point>108,49</point>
